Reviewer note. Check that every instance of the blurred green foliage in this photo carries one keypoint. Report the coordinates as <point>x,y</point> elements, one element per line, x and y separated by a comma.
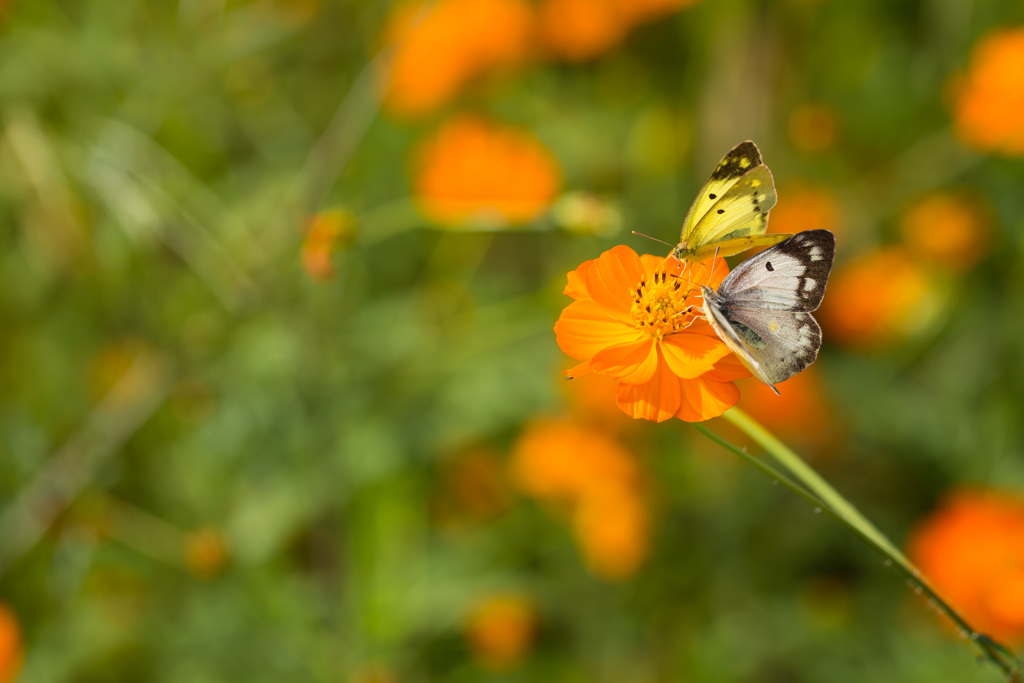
<point>215,468</point>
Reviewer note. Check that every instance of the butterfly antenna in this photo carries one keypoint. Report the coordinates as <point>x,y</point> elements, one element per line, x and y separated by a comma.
<point>640,234</point>
<point>662,265</point>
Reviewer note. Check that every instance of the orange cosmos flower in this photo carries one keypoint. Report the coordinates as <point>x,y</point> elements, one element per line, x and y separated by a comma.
<point>599,483</point>
<point>989,107</point>
<point>611,524</point>
<point>577,30</point>
<point>476,171</point>
<point>328,231</point>
<point>878,297</point>
<point>988,111</point>
<point>947,228</point>
<point>11,648</point>
<point>500,630</point>
<point>633,319</point>
<point>562,460</point>
<point>972,549</point>
<point>441,46</point>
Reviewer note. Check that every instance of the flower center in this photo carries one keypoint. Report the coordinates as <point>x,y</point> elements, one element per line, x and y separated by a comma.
<point>658,304</point>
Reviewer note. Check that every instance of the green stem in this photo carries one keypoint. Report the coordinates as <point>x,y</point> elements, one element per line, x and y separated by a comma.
<point>809,485</point>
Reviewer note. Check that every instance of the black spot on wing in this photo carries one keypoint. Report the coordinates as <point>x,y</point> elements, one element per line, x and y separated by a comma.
<point>769,266</point>
<point>740,159</point>
<point>712,196</point>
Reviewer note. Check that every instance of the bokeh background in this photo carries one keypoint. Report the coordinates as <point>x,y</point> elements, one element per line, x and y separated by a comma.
<point>279,393</point>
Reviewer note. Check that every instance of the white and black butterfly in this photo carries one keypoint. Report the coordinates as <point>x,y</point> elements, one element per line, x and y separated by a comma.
<point>762,310</point>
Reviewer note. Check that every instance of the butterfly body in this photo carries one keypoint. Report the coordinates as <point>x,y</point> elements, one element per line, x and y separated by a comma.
<point>730,213</point>
<point>762,309</point>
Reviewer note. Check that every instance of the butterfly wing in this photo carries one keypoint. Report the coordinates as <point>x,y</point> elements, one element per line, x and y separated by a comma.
<point>791,276</point>
<point>736,245</point>
<point>762,308</point>
<point>782,343</point>
<point>737,338</point>
<point>734,202</point>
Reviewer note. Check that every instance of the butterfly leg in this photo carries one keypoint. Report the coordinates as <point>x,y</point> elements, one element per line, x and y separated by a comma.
<point>693,320</point>
<point>685,310</point>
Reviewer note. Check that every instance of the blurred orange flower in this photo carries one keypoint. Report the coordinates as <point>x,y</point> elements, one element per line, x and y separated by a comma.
<point>630,320</point>
<point>472,170</point>
<point>442,45</point>
<point>577,30</point>
<point>563,461</point>
<point>501,629</point>
<point>989,106</point>
<point>598,480</point>
<point>875,299</point>
<point>947,228</point>
<point>812,128</point>
<point>801,412</point>
<point>328,231</point>
<point>805,207</point>
<point>611,522</point>
<point>972,549</point>
<point>11,647</point>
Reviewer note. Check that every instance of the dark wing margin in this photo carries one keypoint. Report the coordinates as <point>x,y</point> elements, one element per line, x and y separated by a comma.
<point>790,340</point>
<point>816,250</point>
<point>738,161</point>
<point>790,276</point>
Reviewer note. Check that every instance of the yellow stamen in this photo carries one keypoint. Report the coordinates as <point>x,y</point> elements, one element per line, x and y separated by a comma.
<point>659,305</point>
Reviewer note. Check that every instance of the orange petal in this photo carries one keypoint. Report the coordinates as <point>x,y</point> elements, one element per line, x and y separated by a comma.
<point>691,355</point>
<point>612,280</point>
<point>585,328</point>
<point>717,272</point>
<point>729,369</point>
<point>634,363</point>
<point>580,370</point>
<point>577,285</point>
<point>657,400</point>
<point>710,272</point>
<point>703,399</point>
<point>651,263</point>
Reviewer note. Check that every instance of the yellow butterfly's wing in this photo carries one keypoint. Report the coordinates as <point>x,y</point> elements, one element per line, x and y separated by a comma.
<point>736,245</point>
<point>733,203</point>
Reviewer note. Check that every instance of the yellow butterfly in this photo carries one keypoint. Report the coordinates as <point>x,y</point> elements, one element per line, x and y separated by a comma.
<point>730,213</point>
